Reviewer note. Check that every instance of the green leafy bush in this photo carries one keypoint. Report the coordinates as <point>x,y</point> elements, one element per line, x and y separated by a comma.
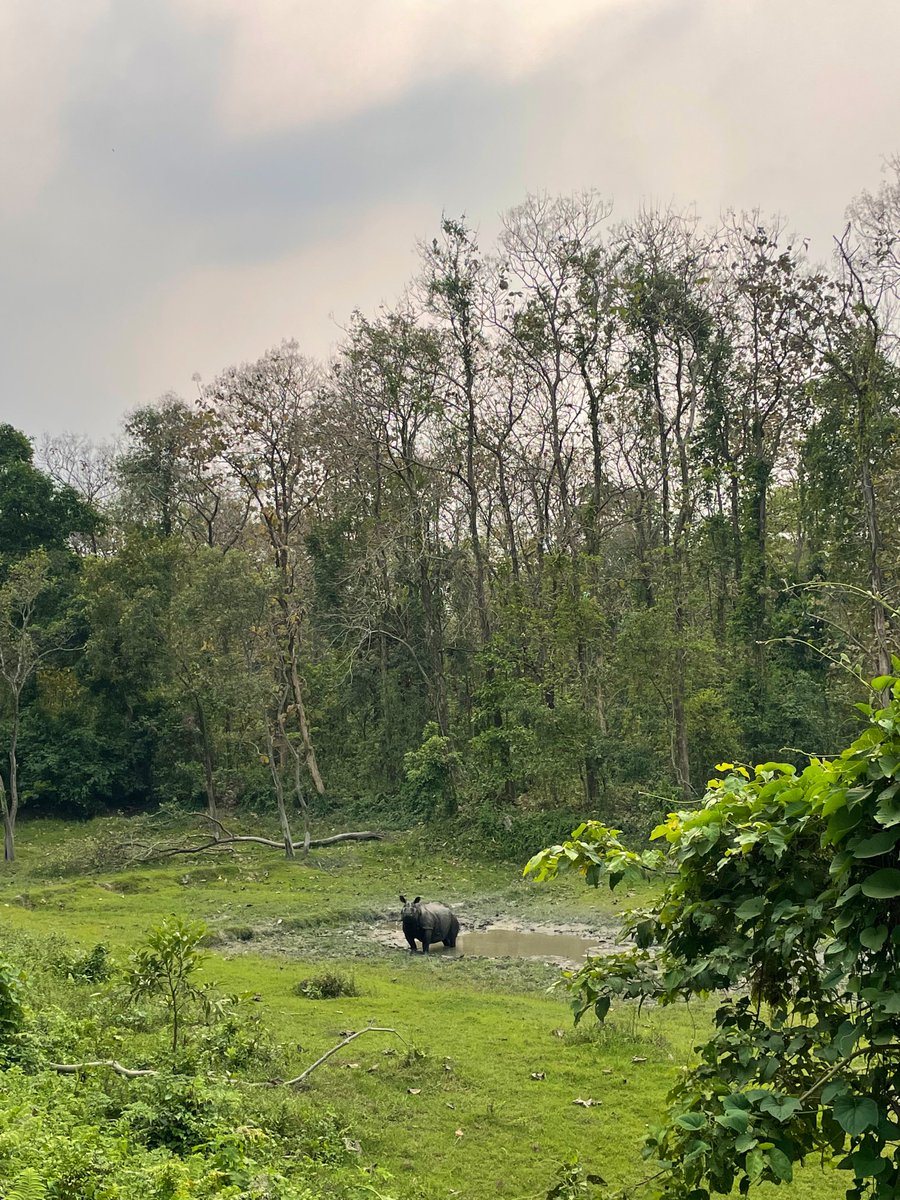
<point>165,967</point>
<point>786,901</point>
<point>12,1012</point>
<point>329,984</point>
<point>429,787</point>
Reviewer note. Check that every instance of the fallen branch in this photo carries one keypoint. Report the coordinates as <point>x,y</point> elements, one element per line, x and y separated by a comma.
<point>224,838</point>
<point>133,1073</point>
<point>74,1068</point>
<point>299,1079</point>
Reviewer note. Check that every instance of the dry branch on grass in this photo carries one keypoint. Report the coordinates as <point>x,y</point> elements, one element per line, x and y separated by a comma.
<point>224,839</point>
<point>297,1081</point>
<point>125,1072</point>
<point>302,1077</point>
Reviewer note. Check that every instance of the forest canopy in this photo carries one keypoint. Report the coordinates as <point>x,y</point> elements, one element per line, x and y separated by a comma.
<point>584,513</point>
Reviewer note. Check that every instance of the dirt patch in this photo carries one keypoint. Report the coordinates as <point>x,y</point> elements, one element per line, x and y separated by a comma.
<point>563,944</point>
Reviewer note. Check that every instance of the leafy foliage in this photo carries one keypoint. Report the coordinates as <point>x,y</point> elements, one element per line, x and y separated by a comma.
<point>12,1012</point>
<point>785,900</point>
<point>165,966</point>
<point>167,1136</point>
<point>330,984</point>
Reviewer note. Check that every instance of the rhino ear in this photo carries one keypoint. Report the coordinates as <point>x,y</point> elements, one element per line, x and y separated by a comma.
<point>417,899</point>
<point>402,899</point>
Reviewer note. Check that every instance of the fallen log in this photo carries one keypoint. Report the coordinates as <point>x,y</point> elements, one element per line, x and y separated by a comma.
<point>302,1077</point>
<point>298,1080</point>
<point>125,1072</point>
<point>224,838</point>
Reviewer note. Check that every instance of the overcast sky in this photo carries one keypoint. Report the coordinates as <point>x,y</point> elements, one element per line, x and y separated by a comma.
<point>186,182</point>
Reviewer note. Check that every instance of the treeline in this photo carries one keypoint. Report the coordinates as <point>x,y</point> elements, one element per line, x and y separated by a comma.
<point>583,514</point>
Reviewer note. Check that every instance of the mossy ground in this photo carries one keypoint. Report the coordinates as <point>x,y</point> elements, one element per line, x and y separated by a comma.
<point>461,1116</point>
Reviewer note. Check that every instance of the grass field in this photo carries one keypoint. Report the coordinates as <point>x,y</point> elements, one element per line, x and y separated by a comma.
<point>485,1105</point>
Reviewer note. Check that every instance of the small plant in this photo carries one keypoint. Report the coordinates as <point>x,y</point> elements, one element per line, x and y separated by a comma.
<point>327,985</point>
<point>27,1185</point>
<point>165,967</point>
<point>174,1113</point>
<point>239,1039</point>
<point>574,1183</point>
<point>92,966</point>
<point>12,1012</point>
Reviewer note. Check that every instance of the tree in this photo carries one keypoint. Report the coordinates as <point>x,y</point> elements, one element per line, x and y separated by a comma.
<point>165,965</point>
<point>784,901</point>
<point>172,478</point>
<point>34,511</point>
<point>214,599</point>
<point>264,417</point>
<point>27,639</point>
<point>87,468</point>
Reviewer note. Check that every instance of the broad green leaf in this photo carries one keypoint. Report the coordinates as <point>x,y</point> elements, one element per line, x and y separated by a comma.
<point>882,885</point>
<point>755,1164</point>
<point>781,1165</point>
<point>855,1114</point>
<point>734,1119</point>
<point>878,843</point>
<point>691,1120</point>
<point>874,937</point>
<point>780,1108</point>
<point>842,822</point>
<point>750,908</point>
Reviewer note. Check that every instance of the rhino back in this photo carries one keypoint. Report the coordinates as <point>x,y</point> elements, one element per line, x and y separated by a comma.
<point>437,919</point>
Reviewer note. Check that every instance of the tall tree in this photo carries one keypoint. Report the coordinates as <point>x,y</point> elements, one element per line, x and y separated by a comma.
<point>28,637</point>
<point>264,415</point>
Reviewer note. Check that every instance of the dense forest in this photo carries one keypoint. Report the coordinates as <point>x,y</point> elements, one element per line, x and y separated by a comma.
<point>587,511</point>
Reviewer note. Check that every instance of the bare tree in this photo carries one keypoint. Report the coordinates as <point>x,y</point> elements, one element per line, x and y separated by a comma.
<point>26,640</point>
<point>264,415</point>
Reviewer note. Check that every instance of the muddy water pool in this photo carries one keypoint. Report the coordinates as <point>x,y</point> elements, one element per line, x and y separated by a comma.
<point>499,941</point>
<point>527,943</point>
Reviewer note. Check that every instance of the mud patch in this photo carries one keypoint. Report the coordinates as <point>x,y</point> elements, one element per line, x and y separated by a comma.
<point>566,945</point>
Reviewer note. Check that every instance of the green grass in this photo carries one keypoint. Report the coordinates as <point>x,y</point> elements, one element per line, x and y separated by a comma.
<point>462,1116</point>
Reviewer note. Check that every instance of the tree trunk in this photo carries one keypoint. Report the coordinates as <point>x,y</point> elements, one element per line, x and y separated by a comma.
<point>278,782</point>
<point>10,806</point>
<point>206,747</point>
<point>597,481</point>
<point>292,651</point>
<point>865,405</point>
<point>471,487</point>
<point>679,714</point>
<point>9,837</point>
<point>434,636</point>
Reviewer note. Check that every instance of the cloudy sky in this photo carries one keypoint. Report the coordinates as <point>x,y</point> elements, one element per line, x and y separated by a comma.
<point>186,182</point>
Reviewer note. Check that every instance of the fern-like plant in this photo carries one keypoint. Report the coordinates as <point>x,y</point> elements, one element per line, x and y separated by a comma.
<point>27,1185</point>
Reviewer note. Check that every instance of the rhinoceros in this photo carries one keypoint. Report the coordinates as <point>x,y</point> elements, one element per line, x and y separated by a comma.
<point>428,923</point>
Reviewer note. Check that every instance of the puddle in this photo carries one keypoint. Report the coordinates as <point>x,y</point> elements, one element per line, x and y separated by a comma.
<point>565,947</point>
<point>527,943</point>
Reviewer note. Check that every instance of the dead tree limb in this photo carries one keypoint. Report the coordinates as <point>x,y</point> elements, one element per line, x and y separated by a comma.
<point>125,1072</point>
<point>224,838</point>
<point>302,1077</point>
<point>297,1081</point>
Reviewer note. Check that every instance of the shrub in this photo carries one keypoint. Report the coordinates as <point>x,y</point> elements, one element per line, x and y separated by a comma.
<point>176,1113</point>
<point>327,985</point>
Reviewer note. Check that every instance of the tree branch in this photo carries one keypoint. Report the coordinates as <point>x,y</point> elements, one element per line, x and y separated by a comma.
<point>297,1081</point>
<point>301,1078</point>
<point>229,839</point>
<point>125,1072</point>
<point>891,1048</point>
